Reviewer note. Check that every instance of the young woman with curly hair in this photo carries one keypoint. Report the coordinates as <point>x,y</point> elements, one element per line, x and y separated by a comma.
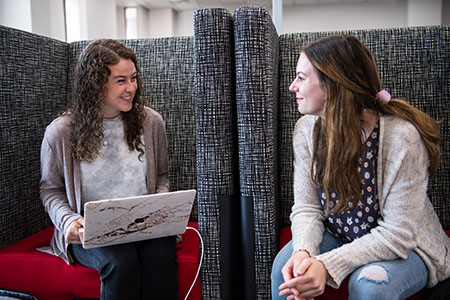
<point>108,144</point>
<point>361,167</point>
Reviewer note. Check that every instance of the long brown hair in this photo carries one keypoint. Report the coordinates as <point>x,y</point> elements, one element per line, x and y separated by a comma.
<point>91,76</point>
<point>349,74</point>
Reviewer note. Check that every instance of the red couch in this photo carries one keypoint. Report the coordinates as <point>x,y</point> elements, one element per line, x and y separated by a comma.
<point>342,292</point>
<point>48,277</point>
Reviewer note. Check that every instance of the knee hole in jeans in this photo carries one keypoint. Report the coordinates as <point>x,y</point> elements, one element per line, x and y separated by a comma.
<point>374,273</point>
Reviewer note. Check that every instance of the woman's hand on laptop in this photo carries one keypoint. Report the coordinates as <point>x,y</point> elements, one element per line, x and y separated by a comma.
<point>72,235</point>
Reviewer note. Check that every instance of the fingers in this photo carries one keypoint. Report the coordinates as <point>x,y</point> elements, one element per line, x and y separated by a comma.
<point>309,280</point>
<point>287,273</point>
<point>289,288</point>
<point>290,293</point>
<point>306,292</point>
<point>294,270</point>
<point>80,221</point>
<point>292,297</point>
<point>315,279</point>
<point>287,270</point>
<point>72,234</point>
<point>301,267</point>
<point>72,238</point>
<point>81,236</point>
<point>293,264</point>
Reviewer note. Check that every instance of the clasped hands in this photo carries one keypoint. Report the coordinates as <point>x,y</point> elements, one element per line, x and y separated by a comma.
<point>304,277</point>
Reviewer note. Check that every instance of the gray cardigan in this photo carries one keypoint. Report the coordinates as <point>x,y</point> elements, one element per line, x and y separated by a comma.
<point>408,218</point>
<point>60,185</point>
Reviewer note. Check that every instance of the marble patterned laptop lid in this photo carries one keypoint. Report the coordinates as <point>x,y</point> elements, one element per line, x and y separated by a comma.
<point>130,219</point>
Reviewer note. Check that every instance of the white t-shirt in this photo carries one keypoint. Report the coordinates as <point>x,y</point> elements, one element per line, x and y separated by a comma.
<point>116,172</point>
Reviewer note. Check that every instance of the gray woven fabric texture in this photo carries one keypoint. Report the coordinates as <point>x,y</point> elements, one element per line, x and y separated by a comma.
<point>257,58</point>
<point>414,65</point>
<point>33,78</point>
<point>216,134</point>
<point>167,67</point>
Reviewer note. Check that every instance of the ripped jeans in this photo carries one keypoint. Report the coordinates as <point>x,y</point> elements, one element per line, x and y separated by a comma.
<point>394,279</point>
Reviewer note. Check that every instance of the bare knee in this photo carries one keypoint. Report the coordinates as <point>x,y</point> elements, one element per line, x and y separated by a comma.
<point>374,273</point>
<point>371,284</point>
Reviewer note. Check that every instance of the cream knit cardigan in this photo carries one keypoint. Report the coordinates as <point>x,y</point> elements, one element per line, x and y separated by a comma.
<point>408,218</point>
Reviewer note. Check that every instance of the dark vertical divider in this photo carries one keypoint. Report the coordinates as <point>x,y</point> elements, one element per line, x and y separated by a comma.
<point>230,248</point>
<point>216,138</point>
<point>256,54</point>
<point>248,248</point>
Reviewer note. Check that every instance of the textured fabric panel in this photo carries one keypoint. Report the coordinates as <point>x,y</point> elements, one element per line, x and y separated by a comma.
<point>257,58</point>
<point>414,64</point>
<point>216,133</point>
<point>167,67</point>
<point>33,79</point>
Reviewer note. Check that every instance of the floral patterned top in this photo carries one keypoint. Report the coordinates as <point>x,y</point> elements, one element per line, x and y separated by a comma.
<point>402,163</point>
<point>354,223</point>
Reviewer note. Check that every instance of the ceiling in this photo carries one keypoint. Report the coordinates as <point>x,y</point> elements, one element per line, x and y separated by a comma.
<point>231,4</point>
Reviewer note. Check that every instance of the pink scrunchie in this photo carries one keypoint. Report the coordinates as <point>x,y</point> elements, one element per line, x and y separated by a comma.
<point>383,97</point>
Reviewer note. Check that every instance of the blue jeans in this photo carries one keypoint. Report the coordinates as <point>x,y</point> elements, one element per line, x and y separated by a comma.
<point>401,278</point>
<point>139,270</point>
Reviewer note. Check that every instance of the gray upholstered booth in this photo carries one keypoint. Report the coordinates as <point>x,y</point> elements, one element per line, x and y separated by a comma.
<point>257,56</point>
<point>33,89</point>
<point>217,182</point>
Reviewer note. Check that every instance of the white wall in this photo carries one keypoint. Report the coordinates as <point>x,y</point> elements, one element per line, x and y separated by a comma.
<point>120,17</point>
<point>43,17</point>
<point>420,13</point>
<point>92,19</point>
<point>16,14</point>
<point>47,17</point>
<point>142,20</point>
<point>345,16</point>
<point>184,25</point>
<point>161,22</point>
<point>103,19</point>
<point>348,15</point>
<point>100,16</point>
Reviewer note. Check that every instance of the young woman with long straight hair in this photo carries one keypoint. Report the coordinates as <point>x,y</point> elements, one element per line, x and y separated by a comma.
<point>361,166</point>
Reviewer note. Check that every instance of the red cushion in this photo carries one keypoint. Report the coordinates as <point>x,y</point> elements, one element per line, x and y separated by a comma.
<point>188,260</point>
<point>48,277</point>
<point>342,292</point>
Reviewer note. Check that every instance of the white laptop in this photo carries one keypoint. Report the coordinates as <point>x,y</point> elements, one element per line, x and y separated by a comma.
<point>130,219</point>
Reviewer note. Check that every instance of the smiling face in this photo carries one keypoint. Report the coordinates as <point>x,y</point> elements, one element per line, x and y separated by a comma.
<point>121,86</point>
<point>309,92</point>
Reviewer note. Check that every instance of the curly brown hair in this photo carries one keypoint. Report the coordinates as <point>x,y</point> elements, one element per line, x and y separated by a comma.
<point>87,100</point>
<point>349,74</point>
